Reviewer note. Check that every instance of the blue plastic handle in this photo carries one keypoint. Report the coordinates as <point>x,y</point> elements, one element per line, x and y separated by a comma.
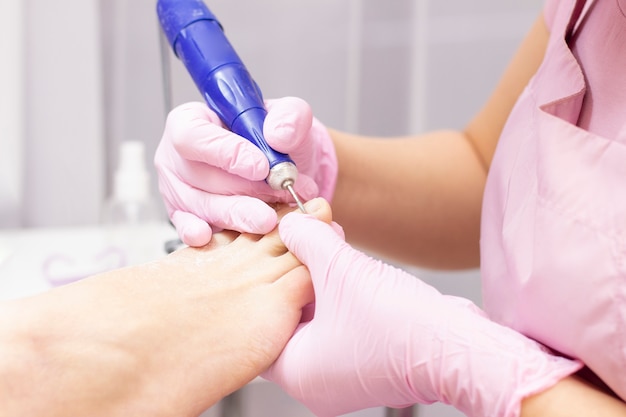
<point>198,40</point>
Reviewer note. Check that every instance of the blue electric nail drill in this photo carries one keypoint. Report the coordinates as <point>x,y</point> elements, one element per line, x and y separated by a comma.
<point>198,40</point>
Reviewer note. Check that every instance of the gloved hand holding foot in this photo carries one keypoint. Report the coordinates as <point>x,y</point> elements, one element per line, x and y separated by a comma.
<point>213,179</point>
<point>383,337</point>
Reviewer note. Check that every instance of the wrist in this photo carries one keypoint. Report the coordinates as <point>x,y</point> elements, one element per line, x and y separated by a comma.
<point>489,369</point>
<point>515,370</point>
<point>572,397</point>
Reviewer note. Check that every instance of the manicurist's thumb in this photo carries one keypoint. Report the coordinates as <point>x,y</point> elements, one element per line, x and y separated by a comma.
<point>311,239</point>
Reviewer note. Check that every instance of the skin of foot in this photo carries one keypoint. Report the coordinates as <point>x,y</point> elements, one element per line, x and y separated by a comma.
<point>167,338</point>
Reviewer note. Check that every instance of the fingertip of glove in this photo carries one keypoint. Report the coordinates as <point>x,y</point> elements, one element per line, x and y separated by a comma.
<point>288,121</point>
<point>294,225</point>
<point>195,238</point>
<point>192,230</point>
<point>289,222</point>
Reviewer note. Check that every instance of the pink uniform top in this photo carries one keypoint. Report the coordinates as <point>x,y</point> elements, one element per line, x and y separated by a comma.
<point>553,238</point>
<point>599,45</point>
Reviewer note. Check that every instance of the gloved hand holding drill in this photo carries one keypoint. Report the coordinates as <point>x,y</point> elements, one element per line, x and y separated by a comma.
<point>212,179</point>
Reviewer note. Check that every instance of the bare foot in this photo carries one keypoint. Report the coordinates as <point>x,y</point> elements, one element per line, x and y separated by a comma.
<point>169,338</point>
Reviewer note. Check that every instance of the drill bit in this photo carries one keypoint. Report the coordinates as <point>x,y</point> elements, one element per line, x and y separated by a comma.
<point>288,185</point>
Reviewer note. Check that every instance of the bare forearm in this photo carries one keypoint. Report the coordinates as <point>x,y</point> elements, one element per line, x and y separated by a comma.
<point>572,397</point>
<point>414,199</point>
<point>418,200</point>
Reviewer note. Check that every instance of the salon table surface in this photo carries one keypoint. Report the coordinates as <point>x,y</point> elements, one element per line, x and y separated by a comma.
<point>34,260</point>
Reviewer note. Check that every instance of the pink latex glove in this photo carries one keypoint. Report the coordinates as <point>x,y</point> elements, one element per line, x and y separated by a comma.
<point>211,178</point>
<point>380,336</point>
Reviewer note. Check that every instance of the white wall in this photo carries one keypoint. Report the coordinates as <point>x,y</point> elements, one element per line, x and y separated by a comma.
<point>11,114</point>
<point>63,113</point>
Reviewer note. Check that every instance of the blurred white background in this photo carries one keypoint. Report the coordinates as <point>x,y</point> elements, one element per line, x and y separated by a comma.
<point>77,77</point>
